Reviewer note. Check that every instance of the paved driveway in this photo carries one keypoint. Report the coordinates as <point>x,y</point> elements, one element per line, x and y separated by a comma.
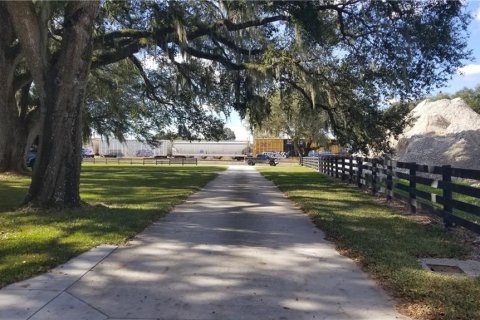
<point>236,250</point>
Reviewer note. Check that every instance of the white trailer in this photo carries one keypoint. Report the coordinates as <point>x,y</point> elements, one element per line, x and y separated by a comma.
<point>129,148</point>
<point>165,148</point>
<point>234,149</point>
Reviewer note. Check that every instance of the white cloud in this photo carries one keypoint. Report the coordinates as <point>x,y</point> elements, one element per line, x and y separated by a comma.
<point>477,14</point>
<point>470,69</point>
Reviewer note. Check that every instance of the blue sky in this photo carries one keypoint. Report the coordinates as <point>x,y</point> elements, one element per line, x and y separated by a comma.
<point>468,76</point>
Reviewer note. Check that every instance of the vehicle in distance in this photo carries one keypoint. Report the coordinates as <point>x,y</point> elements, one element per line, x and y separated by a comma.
<point>87,153</point>
<point>31,157</point>
<point>262,158</point>
<point>144,153</point>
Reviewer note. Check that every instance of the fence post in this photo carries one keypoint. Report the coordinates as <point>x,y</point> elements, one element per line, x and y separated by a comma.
<point>330,166</point>
<point>374,176</point>
<point>301,161</point>
<point>413,186</point>
<point>336,167</point>
<point>350,178</point>
<point>343,168</point>
<point>359,171</point>
<point>388,164</point>
<point>318,164</point>
<point>447,195</point>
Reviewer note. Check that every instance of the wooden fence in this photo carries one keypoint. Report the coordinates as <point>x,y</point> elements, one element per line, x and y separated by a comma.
<point>445,191</point>
<point>143,161</point>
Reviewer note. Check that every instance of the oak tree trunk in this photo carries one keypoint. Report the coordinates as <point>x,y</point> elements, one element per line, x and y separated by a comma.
<point>13,131</point>
<point>296,148</point>
<point>56,177</point>
<point>13,140</point>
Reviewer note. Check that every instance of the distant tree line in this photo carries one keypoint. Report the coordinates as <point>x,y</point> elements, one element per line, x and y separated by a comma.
<point>470,96</point>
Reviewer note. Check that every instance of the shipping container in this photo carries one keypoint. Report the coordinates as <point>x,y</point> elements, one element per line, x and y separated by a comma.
<point>165,148</point>
<point>262,145</point>
<point>234,149</point>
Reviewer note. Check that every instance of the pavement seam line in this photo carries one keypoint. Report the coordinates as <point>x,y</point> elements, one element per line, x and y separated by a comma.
<point>65,290</point>
<point>88,304</point>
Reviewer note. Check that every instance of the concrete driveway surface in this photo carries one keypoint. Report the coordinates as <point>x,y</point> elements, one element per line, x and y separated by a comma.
<point>238,249</point>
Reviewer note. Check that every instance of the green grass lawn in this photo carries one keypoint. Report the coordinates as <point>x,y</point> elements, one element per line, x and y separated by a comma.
<point>385,243</point>
<point>123,201</point>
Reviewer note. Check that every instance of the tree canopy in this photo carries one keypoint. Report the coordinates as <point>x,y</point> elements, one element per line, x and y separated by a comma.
<point>292,116</point>
<point>347,58</point>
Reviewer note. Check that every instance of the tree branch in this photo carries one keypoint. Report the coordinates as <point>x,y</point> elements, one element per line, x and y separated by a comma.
<point>23,101</point>
<point>26,25</point>
<point>105,58</point>
<point>329,111</point>
<point>230,44</point>
<point>231,26</point>
<point>150,87</point>
<point>160,34</point>
<point>214,57</point>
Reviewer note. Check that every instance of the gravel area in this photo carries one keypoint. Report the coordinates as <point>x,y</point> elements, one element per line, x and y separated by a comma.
<point>442,132</point>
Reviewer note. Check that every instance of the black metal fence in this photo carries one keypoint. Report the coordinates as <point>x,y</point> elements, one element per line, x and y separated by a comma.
<point>451,193</point>
<point>143,161</point>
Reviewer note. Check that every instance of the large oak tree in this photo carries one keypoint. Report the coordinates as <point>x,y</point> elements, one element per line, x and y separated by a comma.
<point>345,58</point>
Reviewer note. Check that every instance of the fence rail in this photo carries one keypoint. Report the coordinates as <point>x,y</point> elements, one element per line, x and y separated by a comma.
<point>143,161</point>
<point>441,190</point>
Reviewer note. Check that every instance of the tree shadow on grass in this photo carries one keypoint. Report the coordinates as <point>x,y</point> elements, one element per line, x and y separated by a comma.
<point>32,241</point>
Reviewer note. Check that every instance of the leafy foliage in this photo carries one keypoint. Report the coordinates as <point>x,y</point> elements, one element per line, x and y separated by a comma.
<point>350,58</point>
<point>471,97</point>
<point>228,134</point>
<point>291,115</point>
<point>119,102</point>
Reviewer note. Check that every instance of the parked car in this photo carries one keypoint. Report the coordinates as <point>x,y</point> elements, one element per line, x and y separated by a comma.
<point>262,158</point>
<point>31,157</point>
<point>144,153</point>
<point>87,153</point>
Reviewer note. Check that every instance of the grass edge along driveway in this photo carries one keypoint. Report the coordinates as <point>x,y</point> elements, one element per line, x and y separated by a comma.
<point>122,201</point>
<point>386,244</point>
